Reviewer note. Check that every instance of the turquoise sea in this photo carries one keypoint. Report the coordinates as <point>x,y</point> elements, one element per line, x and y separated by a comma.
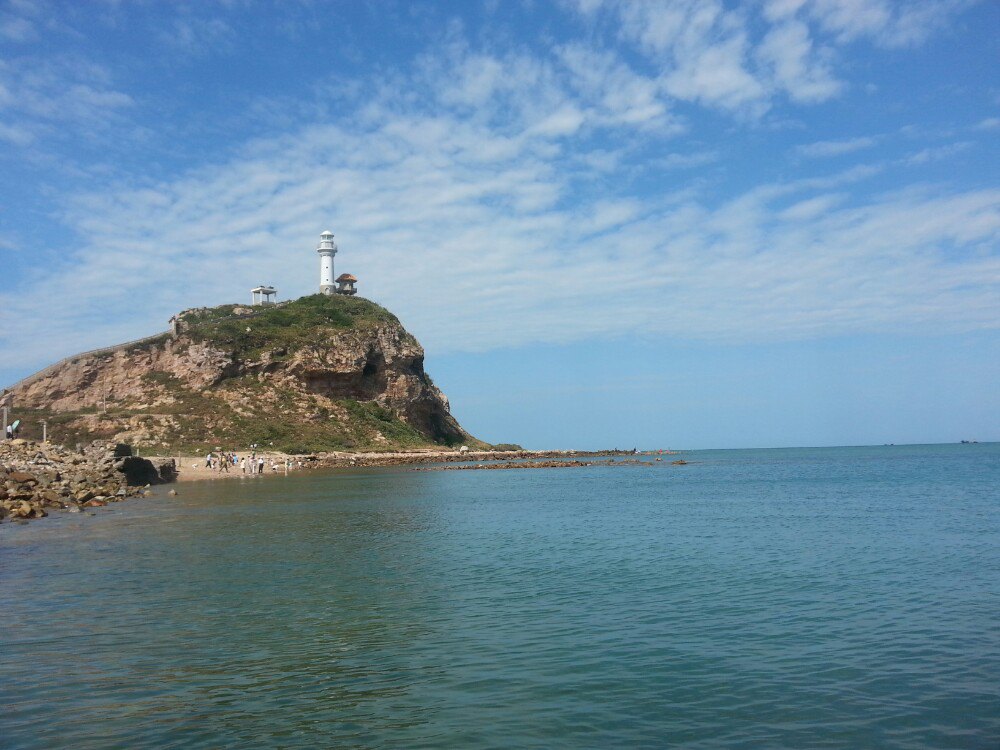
<point>797,598</point>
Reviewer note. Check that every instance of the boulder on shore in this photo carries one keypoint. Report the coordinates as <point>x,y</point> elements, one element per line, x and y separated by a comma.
<point>36,476</point>
<point>138,471</point>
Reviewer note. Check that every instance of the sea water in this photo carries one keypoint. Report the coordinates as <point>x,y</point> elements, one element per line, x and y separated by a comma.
<point>842,598</point>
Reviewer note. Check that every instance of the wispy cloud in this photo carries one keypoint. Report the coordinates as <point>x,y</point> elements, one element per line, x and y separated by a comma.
<point>740,57</point>
<point>17,29</point>
<point>198,36</point>
<point>46,96</point>
<point>687,160</point>
<point>788,53</point>
<point>16,134</point>
<point>886,23</point>
<point>937,153</point>
<point>825,149</point>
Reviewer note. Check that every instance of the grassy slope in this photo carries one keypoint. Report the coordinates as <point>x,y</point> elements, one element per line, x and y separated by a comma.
<point>291,325</point>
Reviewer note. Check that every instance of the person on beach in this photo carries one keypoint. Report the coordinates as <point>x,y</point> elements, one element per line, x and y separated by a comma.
<point>208,461</point>
<point>260,465</point>
<point>243,464</point>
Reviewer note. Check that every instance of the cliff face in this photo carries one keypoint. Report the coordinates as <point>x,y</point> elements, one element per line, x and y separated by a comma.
<point>318,373</point>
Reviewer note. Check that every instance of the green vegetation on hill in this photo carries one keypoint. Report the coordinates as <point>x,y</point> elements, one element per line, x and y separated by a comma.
<point>289,325</point>
<point>189,434</point>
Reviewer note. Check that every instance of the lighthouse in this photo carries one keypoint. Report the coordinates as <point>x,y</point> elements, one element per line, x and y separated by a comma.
<point>327,249</point>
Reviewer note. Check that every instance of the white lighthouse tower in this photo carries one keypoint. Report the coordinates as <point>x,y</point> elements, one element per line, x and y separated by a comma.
<point>327,249</point>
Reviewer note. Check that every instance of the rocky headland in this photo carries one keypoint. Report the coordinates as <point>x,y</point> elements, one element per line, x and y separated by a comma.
<point>320,373</point>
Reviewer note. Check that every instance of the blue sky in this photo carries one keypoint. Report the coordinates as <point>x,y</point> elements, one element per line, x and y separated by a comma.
<point>687,224</point>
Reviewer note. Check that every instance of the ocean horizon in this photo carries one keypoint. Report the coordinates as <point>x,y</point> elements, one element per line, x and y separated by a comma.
<point>788,447</point>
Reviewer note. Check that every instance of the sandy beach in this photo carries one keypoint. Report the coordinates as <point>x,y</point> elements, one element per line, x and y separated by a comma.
<point>192,468</point>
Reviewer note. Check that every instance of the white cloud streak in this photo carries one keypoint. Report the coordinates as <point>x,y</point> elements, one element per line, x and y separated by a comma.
<point>825,149</point>
<point>55,95</point>
<point>739,57</point>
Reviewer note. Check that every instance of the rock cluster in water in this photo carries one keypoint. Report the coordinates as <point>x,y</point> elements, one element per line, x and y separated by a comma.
<point>36,478</point>
<point>538,465</point>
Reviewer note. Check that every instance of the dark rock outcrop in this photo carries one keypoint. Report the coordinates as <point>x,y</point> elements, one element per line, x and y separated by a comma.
<point>138,471</point>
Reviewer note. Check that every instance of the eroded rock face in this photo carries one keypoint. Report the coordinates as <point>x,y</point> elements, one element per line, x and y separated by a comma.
<point>384,366</point>
<point>122,377</point>
<point>193,388</point>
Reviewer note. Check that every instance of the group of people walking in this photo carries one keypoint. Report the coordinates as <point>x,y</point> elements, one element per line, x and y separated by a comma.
<point>252,464</point>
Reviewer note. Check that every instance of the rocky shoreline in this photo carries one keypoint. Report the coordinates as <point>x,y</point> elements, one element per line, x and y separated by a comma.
<point>36,478</point>
<point>347,460</point>
<point>191,468</point>
<point>535,465</point>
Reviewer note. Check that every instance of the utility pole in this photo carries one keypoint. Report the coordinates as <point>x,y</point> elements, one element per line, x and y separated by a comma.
<point>45,431</point>
<point>5,402</point>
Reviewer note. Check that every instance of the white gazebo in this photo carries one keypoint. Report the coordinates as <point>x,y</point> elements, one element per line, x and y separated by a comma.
<point>261,295</point>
